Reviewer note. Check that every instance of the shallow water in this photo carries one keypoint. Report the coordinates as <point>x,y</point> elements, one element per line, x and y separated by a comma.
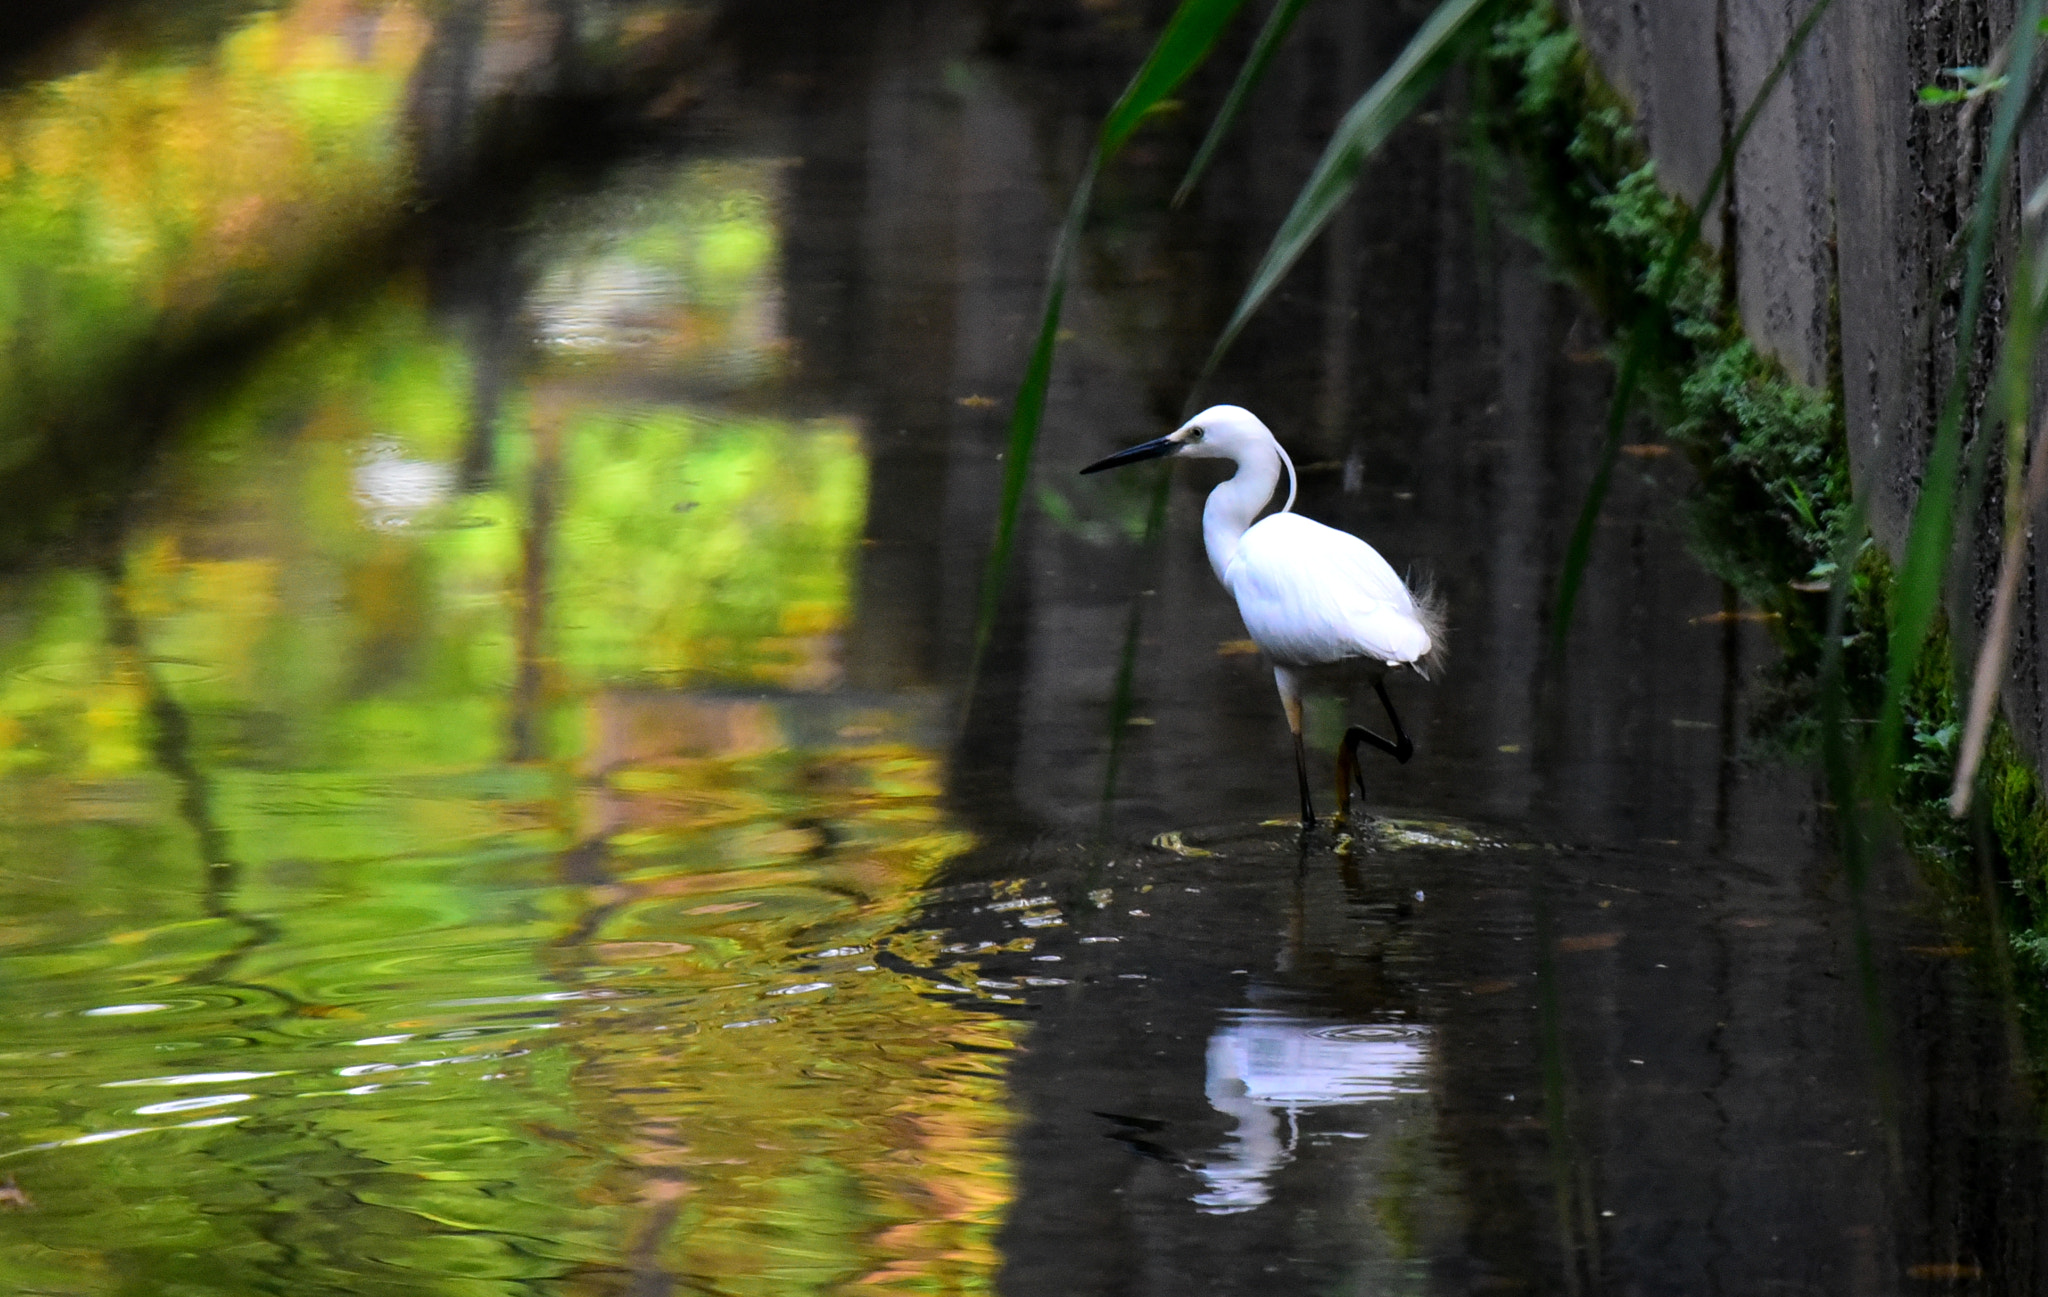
<point>500,803</point>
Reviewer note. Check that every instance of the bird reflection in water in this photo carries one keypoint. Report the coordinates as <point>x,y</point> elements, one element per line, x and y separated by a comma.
<point>1266,1070</point>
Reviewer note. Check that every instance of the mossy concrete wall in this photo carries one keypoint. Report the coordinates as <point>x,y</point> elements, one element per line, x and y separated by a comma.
<point>1841,221</point>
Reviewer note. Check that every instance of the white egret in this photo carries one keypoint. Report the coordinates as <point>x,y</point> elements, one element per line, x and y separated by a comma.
<point>1320,602</point>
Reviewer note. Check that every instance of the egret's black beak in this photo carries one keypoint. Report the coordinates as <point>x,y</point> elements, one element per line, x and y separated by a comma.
<point>1150,450</point>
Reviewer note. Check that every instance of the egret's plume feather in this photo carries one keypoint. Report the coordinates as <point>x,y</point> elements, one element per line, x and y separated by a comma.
<point>1434,612</point>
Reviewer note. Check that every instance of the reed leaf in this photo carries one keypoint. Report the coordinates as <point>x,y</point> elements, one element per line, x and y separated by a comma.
<point>1185,45</point>
<point>1853,821</point>
<point>2026,485</point>
<point>1027,412</point>
<point>1123,702</point>
<point>1931,537</point>
<point>1182,47</point>
<point>1388,103</point>
<point>1271,36</point>
<point>1837,754</point>
<point>1996,650</point>
<point>1579,550</point>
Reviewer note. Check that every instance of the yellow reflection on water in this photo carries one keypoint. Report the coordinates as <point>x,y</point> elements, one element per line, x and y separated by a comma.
<point>867,1114</point>
<point>420,876</point>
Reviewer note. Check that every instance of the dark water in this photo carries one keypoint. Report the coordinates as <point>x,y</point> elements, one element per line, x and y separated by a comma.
<point>497,804</point>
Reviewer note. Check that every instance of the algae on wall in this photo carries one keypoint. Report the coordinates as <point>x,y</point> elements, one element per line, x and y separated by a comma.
<point>1773,503</point>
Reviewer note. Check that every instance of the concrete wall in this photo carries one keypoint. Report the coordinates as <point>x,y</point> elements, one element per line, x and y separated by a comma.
<point>1846,189</point>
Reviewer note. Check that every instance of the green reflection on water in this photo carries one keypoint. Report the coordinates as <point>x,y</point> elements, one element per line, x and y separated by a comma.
<point>157,190</point>
<point>414,884</point>
<point>214,165</point>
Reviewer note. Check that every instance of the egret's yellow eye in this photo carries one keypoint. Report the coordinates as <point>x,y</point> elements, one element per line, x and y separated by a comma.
<point>1194,434</point>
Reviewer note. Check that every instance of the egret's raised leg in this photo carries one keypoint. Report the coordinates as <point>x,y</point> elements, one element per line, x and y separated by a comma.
<point>1348,771</point>
<point>1290,700</point>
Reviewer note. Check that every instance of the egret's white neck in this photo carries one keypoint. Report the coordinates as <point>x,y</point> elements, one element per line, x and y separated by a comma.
<point>1234,505</point>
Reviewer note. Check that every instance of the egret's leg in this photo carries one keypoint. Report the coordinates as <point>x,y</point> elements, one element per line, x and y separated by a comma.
<point>1398,747</point>
<point>1308,808</point>
<point>1290,700</point>
<point>1351,771</point>
<point>1348,770</point>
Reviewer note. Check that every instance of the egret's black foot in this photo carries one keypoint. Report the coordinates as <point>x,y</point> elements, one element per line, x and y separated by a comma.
<point>1350,772</point>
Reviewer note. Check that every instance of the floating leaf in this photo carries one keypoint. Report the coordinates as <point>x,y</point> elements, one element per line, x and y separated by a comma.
<point>1589,941</point>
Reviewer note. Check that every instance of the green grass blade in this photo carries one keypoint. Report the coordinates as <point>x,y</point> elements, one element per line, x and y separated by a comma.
<point>1917,593</point>
<point>2025,484</point>
<point>1398,92</point>
<point>1647,326</point>
<point>1026,413</point>
<point>1185,44</point>
<point>1181,48</point>
<point>1850,792</point>
<point>1271,36</point>
<point>1579,552</point>
<point>1837,755</point>
<point>1124,701</point>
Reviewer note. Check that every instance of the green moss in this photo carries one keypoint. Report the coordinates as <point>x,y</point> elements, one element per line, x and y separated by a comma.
<point>2019,816</point>
<point>1772,502</point>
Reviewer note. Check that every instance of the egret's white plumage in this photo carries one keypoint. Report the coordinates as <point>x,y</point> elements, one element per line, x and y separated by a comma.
<point>1312,597</point>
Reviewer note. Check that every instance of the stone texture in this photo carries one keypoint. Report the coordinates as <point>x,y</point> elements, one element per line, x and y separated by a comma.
<point>1845,208</point>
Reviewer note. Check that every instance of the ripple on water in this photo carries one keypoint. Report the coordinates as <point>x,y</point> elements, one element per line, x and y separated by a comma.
<point>424,1052</point>
<point>86,669</point>
<point>194,1104</point>
<point>191,1078</point>
<point>462,1043</point>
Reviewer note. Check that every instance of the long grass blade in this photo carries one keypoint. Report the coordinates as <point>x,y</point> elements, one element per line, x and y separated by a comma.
<point>2026,484</point>
<point>1847,791</point>
<point>1578,553</point>
<point>1566,1160</point>
<point>1181,48</point>
<point>1271,36</point>
<point>1837,756</point>
<point>1123,701</point>
<point>1388,103</point>
<point>1185,45</point>
<point>1027,412</point>
<point>1932,534</point>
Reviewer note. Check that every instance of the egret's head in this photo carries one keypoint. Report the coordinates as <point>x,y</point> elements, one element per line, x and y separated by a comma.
<point>1223,432</point>
<point>1219,432</point>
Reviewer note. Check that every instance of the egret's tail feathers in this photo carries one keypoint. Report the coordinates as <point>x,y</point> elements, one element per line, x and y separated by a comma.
<point>1434,613</point>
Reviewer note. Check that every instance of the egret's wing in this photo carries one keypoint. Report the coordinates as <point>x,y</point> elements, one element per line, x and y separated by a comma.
<point>1312,594</point>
